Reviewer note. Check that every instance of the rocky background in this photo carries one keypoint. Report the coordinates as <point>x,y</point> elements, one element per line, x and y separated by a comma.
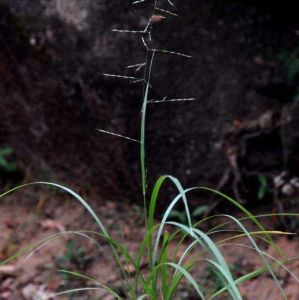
<point>240,135</point>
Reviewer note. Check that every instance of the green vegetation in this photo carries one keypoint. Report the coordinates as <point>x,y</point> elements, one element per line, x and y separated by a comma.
<point>74,255</point>
<point>290,60</point>
<point>263,187</point>
<point>167,269</point>
<point>181,217</point>
<point>7,164</point>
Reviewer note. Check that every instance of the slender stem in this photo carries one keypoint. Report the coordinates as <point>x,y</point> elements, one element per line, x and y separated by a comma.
<point>147,77</point>
<point>146,86</point>
<point>142,134</point>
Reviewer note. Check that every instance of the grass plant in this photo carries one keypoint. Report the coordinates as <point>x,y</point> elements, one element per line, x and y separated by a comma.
<point>167,269</point>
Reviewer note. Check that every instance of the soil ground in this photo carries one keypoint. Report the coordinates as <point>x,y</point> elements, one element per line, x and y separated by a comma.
<point>27,217</point>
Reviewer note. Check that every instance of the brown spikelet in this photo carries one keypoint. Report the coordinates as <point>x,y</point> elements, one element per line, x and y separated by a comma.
<point>157,18</point>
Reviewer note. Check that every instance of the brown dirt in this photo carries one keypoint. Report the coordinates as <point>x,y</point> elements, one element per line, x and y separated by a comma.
<point>29,217</point>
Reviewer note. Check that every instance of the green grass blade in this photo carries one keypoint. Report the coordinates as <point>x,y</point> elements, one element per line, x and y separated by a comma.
<point>163,261</point>
<point>212,248</point>
<point>259,252</point>
<point>243,209</point>
<point>57,237</point>
<point>178,276</point>
<point>182,196</point>
<point>277,262</point>
<point>81,276</point>
<point>255,273</point>
<point>69,191</point>
<point>72,291</point>
<point>227,279</point>
<point>190,279</point>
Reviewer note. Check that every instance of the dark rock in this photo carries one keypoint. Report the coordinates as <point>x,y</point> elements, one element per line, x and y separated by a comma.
<point>53,93</point>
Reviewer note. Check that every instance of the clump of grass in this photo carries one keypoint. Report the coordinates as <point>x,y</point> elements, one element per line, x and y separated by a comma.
<point>167,269</point>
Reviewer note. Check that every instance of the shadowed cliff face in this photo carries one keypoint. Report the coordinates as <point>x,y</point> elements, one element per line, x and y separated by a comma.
<point>53,94</point>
